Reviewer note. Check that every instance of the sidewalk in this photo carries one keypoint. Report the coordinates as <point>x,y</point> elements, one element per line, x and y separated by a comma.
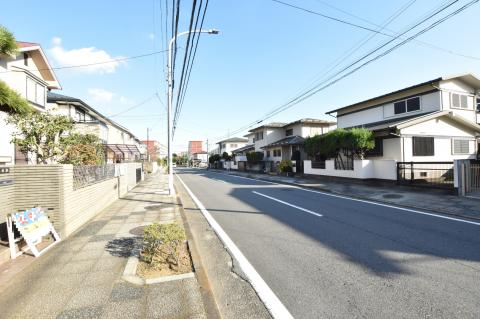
<point>425,199</point>
<point>81,277</point>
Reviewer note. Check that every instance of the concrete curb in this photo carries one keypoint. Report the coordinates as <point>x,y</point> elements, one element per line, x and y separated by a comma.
<point>130,274</point>
<point>444,212</point>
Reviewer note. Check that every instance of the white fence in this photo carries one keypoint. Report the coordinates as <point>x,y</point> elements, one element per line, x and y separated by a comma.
<point>362,169</point>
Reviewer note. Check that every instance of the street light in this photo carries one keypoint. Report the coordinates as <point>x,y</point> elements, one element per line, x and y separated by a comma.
<point>170,97</point>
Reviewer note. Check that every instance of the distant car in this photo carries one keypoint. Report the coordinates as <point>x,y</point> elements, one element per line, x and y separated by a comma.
<point>174,165</point>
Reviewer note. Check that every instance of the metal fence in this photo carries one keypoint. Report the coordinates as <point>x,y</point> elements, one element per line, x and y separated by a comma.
<point>318,164</point>
<point>428,174</point>
<point>88,175</point>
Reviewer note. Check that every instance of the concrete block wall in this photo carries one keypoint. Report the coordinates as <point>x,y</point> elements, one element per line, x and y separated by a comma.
<point>51,187</point>
<point>83,204</point>
<point>6,198</point>
<point>39,185</point>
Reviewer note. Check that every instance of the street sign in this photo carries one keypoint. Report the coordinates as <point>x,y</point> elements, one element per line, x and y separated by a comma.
<point>33,225</point>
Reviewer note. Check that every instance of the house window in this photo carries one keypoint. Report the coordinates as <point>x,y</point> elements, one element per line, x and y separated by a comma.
<point>423,146</point>
<point>35,92</point>
<point>459,101</point>
<point>460,147</point>
<point>268,153</point>
<point>233,146</point>
<point>408,105</point>
<point>413,104</point>
<point>277,153</point>
<point>79,115</point>
<point>25,59</point>
<point>478,104</point>
<point>259,136</point>
<point>289,132</point>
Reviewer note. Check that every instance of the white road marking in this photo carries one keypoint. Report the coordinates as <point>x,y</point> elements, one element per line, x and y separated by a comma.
<point>288,204</point>
<point>360,200</point>
<point>271,301</point>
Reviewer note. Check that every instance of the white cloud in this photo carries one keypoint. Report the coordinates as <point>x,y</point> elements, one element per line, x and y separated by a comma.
<point>123,100</point>
<point>81,56</point>
<point>56,41</point>
<point>101,95</point>
<point>151,36</point>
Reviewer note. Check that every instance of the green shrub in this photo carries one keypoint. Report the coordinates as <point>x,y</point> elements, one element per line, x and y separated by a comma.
<point>214,158</point>
<point>161,243</point>
<point>286,166</point>
<point>357,140</point>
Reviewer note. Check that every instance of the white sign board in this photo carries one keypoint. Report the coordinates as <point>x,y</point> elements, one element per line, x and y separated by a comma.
<point>33,225</point>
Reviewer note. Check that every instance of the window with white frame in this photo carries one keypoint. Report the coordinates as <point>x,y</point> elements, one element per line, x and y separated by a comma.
<point>35,92</point>
<point>478,104</point>
<point>259,136</point>
<point>458,101</point>
<point>234,146</point>
<point>277,153</point>
<point>460,146</point>
<point>408,105</point>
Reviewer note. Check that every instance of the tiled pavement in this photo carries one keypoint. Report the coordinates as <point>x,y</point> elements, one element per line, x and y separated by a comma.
<point>81,277</point>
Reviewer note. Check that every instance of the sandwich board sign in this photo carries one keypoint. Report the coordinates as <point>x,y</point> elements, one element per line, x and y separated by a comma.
<point>32,224</point>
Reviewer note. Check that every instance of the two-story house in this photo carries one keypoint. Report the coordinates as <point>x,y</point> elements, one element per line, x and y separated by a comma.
<point>293,134</point>
<point>30,74</point>
<point>120,144</point>
<point>431,121</point>
<point>230,144</point>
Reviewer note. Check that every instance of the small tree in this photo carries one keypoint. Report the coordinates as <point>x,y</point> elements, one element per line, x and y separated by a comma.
<point>226,157</point>
<point>286,166</point>
<point>254,157</point>
<point>355,140</point>
<point>214,158</point>
<point>82,149</point>
<point>39,133</point>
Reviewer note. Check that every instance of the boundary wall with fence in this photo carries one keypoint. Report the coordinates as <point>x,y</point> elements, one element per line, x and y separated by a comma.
<point>69,195</point>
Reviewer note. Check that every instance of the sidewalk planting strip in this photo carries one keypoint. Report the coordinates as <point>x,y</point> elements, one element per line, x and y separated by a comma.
<point>271,301</point>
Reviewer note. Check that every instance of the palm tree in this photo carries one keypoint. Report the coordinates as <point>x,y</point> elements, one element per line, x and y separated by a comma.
<point>8,44</point>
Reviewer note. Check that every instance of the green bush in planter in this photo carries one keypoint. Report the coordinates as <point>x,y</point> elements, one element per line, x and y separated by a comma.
<point>161,243</point>
<point>286,166</point>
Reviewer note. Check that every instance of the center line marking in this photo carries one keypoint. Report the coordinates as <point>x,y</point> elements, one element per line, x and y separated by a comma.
<point>288,204</point>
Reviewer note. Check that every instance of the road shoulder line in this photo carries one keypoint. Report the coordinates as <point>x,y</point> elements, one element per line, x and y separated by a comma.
<point>274,306</point>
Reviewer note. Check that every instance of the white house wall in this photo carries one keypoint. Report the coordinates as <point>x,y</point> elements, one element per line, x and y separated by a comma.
<point>444,131</point>
<point>7,149</point>
<point>428,103</point>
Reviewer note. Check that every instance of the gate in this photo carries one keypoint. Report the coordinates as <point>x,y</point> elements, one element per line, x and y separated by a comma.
<point>138,175</point>
<point>469,183</point>
<point>427,174</point>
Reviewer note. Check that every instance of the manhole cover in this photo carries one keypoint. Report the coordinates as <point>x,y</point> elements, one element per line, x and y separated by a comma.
<point>137,231</point>
<point>392,196</point>
<point>153,207</point>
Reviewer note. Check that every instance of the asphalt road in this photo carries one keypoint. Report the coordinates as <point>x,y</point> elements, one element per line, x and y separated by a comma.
<point>332,257</point>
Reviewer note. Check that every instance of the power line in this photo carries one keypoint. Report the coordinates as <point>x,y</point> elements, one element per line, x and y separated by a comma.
<point>182,98</point>
<point>192,17</point>
<point>94,63</point>
<point>319,87</point>
<point>134,106</point>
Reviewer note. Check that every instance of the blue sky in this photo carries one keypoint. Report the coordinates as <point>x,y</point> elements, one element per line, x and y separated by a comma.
<point>264,55</point>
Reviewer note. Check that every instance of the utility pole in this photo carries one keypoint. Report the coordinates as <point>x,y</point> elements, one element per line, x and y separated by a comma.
<point>208,163</point>
<point>148,152</point>
<point>170,99</point>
